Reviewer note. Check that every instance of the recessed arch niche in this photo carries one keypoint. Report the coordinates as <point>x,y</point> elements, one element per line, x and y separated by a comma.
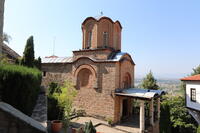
<point>85,77</point>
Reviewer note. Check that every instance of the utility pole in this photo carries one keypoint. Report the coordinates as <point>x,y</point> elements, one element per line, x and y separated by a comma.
<point>1,25</point>
<point>1,30</point>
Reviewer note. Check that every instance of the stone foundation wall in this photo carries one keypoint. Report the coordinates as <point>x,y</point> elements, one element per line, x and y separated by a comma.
<point>10,124</point>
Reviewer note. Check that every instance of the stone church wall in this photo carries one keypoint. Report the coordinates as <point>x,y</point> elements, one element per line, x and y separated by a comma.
<point>56,73</point>
<point>98,98</point>
<point>99,101</point>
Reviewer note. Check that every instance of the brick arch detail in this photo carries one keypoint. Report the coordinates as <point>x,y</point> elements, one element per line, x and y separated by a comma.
<point>127,57</point>
<point>91,69</point>
<point>85,66</point>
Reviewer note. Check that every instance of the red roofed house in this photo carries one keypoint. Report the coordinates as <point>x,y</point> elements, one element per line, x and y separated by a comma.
<point>193,95</point>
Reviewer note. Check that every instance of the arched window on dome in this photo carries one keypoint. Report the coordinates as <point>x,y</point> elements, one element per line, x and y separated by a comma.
<point>89,39</point>
<point>105,39</point>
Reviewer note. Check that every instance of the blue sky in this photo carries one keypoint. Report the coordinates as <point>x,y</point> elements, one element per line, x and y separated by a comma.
<point>161,35</point>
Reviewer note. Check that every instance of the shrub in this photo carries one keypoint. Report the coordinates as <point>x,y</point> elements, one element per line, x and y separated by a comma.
<point>20,86</point>
<point>54,111</point>
<point>89,128</point>
<point>174,115</point>
<point>109,120</point>
<point>65,97</point>
<point>198,129</point>
<point>60,100</point>
<point>165,123</point>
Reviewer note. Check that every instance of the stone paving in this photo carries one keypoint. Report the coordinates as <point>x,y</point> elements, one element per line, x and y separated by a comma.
<point>103,127</point>
<point>107,129</point>
<point>40,110</point>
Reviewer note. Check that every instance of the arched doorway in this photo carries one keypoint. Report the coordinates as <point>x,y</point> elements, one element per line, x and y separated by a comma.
<point>126,102</point>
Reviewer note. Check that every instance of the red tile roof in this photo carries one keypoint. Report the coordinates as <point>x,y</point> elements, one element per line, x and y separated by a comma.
<point>192,78</point>
<point>52,56</point>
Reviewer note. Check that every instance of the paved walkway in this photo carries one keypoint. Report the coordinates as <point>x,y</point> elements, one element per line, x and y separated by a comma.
<point>82,120</point>
<point>103,127</point>
<point>40,110</point>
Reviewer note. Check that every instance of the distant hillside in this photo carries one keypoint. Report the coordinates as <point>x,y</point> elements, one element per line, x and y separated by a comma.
<point>169,85</point>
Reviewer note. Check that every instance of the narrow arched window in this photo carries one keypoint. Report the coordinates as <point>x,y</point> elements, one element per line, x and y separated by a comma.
<point>89,39</point>
<point>127,81</point>
<point>105,39</point>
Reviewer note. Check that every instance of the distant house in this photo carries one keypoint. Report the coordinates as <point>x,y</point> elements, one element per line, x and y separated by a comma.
<point>9,53</point>
<point>192,94</point>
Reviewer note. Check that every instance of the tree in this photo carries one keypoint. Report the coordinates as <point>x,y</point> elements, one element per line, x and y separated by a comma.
<point>38,63</point>
<point>149,82</point>
<point>6,37</point>
<point>198,129</point>
<point>180,119</point>
<point>196,70</point>
<point>165,123</point>
<point>28,55</point>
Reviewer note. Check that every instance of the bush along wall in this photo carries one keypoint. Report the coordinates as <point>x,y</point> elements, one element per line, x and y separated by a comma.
<point>20,86</point>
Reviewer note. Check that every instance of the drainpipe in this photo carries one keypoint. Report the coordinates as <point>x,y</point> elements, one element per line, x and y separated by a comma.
<point>1,24</point>
<point>119,74</point>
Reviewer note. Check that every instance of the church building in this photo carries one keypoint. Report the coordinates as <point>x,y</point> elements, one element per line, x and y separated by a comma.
<point>102,74</point>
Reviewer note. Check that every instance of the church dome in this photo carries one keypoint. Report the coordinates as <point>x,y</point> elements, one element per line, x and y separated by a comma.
<point>101,32</point>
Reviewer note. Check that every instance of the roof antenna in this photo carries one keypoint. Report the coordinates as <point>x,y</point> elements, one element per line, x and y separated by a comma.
<point>101,13</point>
<point>54,40</point>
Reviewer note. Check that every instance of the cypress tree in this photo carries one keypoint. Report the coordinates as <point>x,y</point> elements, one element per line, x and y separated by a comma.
<point>38,63</point>
<point>28,55</point>
<point>165,123</point>
<point>149,82</point>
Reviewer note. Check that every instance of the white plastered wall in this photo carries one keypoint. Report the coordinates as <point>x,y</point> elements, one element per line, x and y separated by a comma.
<point>189,103</point>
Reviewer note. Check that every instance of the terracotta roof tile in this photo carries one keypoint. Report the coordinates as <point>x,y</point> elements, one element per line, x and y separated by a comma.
<point>192,78</point>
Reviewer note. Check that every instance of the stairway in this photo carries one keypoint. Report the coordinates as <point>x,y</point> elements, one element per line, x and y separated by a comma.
<point>40,111</point>
<point>195,114</point>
